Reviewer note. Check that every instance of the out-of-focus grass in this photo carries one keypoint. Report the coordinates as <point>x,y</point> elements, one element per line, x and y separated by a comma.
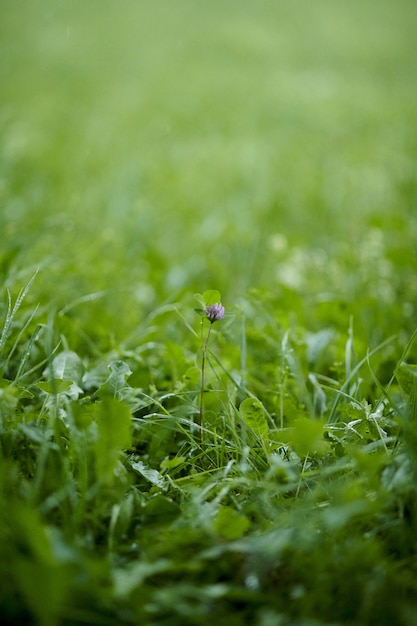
<point>156,147</point>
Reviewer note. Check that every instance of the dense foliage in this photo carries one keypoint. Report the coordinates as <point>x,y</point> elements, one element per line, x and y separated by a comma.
<point>166,467</point>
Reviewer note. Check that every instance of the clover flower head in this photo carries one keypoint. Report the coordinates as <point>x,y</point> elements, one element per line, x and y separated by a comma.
<point>214,312</point>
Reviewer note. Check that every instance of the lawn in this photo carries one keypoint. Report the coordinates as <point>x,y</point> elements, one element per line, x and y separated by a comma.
<point>162,464</point>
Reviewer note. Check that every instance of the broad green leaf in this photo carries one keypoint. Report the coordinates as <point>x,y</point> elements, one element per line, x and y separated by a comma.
<point>253,415</point>
<point>200,300</point>
<point>406,373</point>
<point>212,296</point>
<point>192,375</point>
<point>9,397</point>
<point>306,436</point>
<point>67,365</point>
<point>82,414</point>
<point>114,434</point>
<point>40,577</point>
<point>230,524</point>
<point>160,508</point>
<point>167,463</point>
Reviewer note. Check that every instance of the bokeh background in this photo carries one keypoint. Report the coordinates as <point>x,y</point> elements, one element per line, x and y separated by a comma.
<point>151,149</point>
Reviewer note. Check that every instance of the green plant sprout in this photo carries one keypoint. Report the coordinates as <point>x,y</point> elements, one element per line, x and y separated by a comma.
<point>213,311</point>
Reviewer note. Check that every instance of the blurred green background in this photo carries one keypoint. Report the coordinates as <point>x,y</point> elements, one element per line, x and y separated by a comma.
<point>156,148</point>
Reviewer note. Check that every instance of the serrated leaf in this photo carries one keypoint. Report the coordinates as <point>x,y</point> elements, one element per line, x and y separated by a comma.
<point>55,386</point>
<point>152,475</point>
<point>116,382</point>
<point>253,415</point>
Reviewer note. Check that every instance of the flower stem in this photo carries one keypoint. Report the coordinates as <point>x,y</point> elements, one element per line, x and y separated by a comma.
<point>203,365</point>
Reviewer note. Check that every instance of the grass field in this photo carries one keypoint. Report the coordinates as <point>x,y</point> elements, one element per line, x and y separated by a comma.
<point>265,474</point>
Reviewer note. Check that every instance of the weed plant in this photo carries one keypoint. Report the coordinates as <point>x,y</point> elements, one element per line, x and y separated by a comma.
<point>158,469</point>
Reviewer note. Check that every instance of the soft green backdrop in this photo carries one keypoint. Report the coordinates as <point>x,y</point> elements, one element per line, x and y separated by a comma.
<point>160,148</point>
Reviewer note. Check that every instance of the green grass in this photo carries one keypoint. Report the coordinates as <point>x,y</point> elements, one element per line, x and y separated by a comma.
<point>150,151</point>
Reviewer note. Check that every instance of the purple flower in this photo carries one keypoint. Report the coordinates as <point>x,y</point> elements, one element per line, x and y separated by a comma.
<point>214,312</point>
